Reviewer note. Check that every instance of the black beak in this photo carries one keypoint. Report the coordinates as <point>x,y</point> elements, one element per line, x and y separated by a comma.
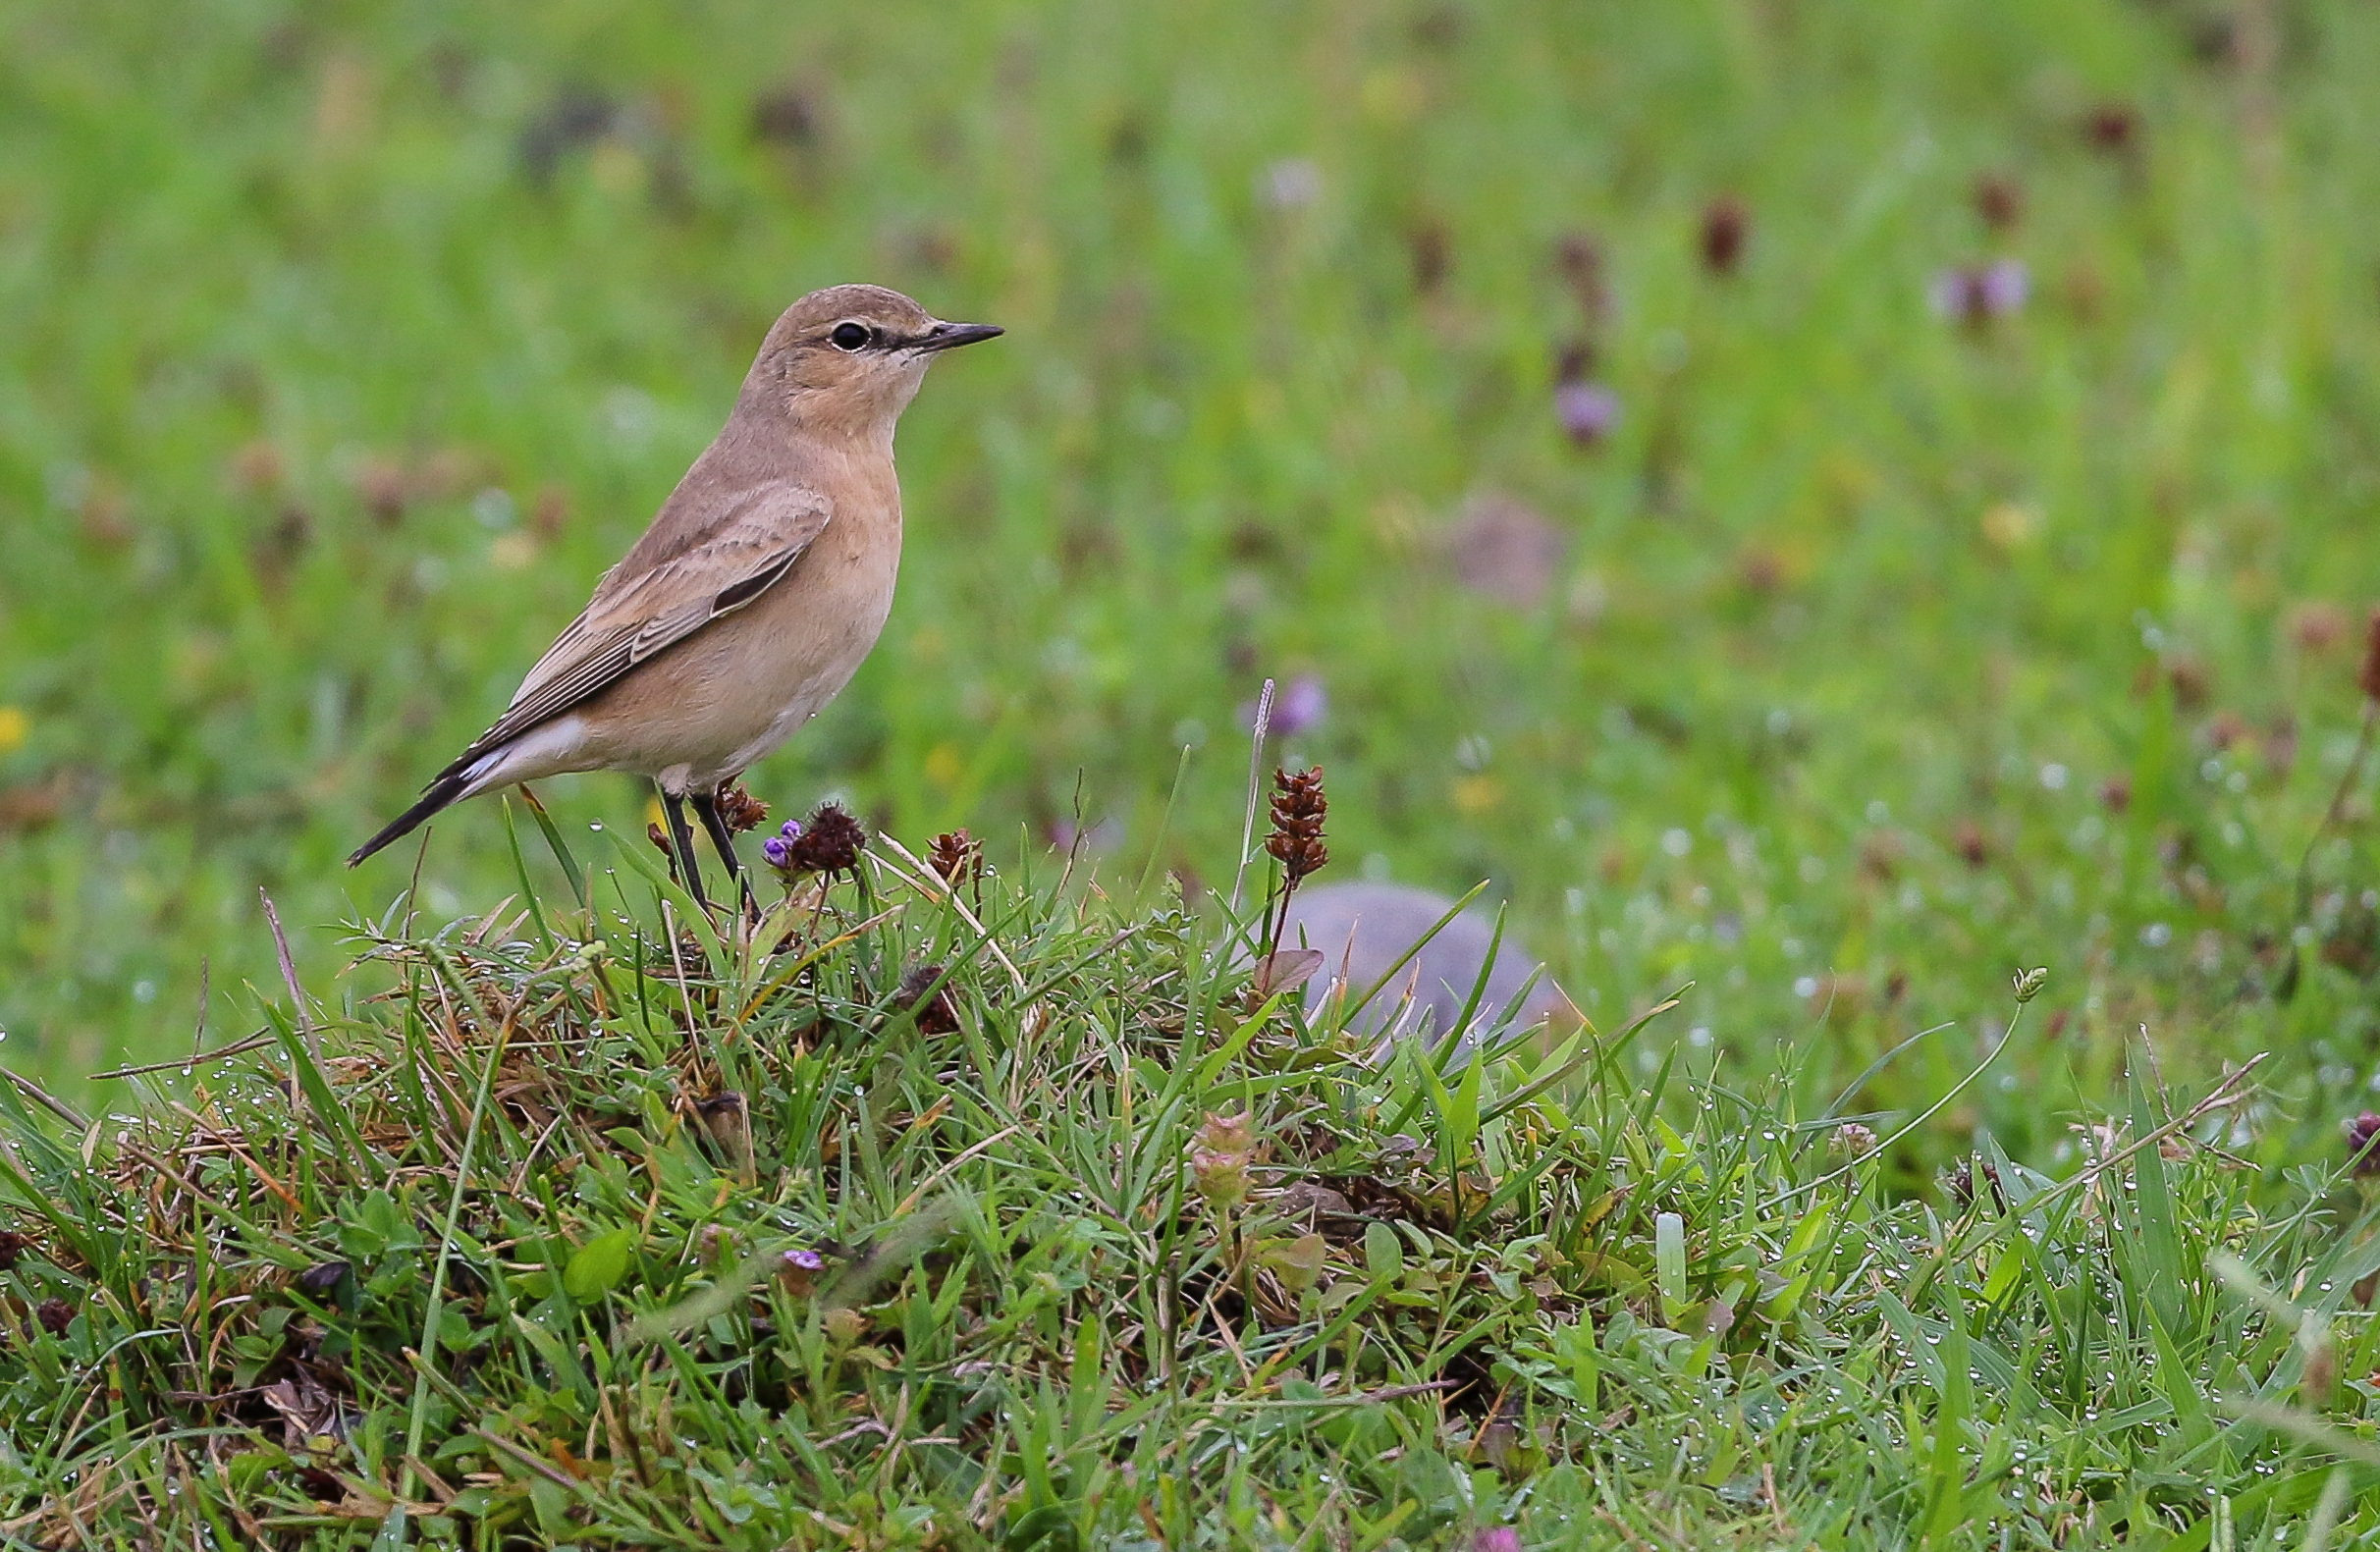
<point>950,335</point>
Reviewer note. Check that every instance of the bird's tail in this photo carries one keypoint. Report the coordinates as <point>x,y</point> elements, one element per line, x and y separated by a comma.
<point>451,784</point>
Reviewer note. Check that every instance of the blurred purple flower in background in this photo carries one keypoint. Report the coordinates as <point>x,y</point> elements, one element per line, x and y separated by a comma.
<point>1976,293</point>
<point>1496,1539</point>
<point>1299,706</point>
<point>1587,410</point>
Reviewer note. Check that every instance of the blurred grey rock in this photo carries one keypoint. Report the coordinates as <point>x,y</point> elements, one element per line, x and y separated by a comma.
<point>1364,928</point>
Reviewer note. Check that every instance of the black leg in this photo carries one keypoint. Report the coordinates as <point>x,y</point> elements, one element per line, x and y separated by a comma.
<point>706,807</point>
<point>682,838</point>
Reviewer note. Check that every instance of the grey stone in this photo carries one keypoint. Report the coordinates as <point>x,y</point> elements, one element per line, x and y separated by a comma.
<point>1364,928</point>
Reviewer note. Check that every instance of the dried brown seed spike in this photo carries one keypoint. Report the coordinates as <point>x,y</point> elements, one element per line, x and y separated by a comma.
<point>1726,229</point>
<point>1299,808</point>
<point>739,809</point>
<point>2367,677</point>
<point>956,857</point>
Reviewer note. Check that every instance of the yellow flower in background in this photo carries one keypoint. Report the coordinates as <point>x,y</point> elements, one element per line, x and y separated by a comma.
<point>2010,525</point>
<point>943,767</point>
<point>14,724</point>
<point>1477,795</point>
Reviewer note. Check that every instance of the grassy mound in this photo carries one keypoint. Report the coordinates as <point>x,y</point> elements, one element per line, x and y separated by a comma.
<point>1002,1214</point>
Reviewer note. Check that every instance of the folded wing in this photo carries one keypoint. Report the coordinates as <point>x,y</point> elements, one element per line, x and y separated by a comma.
<point>743,551</point>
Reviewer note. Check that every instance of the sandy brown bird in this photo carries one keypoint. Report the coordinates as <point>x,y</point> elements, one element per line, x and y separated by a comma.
<point>752,599</point>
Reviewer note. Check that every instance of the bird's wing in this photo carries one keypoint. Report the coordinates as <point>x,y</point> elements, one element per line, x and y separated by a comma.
<point>734,556</point>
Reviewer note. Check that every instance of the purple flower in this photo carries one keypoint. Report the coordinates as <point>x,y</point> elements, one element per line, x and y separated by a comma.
<point>1587,410</point>
<point>1976,293</point>
<point>1496,1539</point>
<point>797,1269</point>
<point>1299,706</point>
<point>2361,1133</point>
<point>778,848</point>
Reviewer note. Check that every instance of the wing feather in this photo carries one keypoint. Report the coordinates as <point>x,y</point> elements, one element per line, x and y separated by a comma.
<point>741,554</point>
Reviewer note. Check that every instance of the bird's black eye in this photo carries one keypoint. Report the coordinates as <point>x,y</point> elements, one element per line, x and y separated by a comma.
<point>851,335</point>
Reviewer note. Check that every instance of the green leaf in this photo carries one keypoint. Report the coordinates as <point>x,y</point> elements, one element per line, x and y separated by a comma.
<point>1384,1253</point>
<point>597,1265</point>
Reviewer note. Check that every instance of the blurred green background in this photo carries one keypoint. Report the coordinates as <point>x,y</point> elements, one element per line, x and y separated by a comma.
<point>1834,502</point>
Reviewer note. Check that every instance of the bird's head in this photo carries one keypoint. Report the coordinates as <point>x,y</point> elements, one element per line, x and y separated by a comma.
<point>850,358</point>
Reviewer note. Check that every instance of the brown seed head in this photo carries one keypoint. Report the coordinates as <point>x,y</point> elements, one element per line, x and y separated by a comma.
<point>550,512</point>
<point>935,1014</point>
<point>2113,128</point>
<point>1431,255</point>
<point>12,1246</point>
<point>739,809</point>
<point>1298,809</point>
<point>1580,262</point>
<point>956,857</point>
<point>55,1316</point>
<point>1999,202</point>
<point>830,842</point>
<point>385,488</point>
<point>260,468</point>
<point>1726,226</point>
<point>2319,626</point>
<point>787,116</point>
<point>2367,677</point>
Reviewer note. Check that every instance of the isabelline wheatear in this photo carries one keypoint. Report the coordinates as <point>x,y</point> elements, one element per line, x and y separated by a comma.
<point>755,594</point>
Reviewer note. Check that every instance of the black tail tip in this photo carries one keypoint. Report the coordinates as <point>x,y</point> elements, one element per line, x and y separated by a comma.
<point>446,790</point>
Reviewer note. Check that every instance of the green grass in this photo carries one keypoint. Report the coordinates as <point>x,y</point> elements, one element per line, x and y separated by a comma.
<point>1875,658</point>
<point>256,265</point>
<point>492,1251</point>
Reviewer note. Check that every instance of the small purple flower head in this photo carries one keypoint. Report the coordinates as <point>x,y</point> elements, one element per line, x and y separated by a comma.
<point>2362,1134</point>
<point>1587,410</point>
<point>778,848</point>
<point>1976,294</point>
<point>2007,284</point>
<point>796,1269</point>
<point>1496,1539</point>
<point>1299,706</point>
